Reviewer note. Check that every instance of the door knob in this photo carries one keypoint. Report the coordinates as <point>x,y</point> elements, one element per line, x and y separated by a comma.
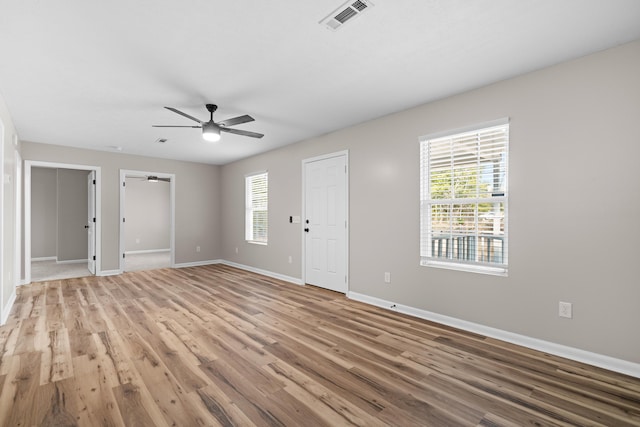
<point>86,226</point>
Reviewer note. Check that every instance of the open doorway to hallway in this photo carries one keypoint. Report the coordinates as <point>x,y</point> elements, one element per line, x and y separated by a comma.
<point>61,225</point>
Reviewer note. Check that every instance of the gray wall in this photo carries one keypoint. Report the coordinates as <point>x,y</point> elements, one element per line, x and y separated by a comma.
<point>44,213</point>
<point>72,215</point>
<point>58,214</point>
<point>147,211</point>
<point>197,198</point>
<point>573,210</point>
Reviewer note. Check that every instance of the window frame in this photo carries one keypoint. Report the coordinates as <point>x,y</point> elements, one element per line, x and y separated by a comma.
<point>449,261</point>
<point>250,208</point>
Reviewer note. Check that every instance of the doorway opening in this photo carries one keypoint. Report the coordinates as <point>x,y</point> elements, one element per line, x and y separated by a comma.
<point>147,220</point>
<point>62,225</point>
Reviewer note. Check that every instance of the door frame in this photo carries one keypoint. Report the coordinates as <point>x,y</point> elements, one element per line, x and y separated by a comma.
<point>124,173</point>
<point>345,154</point>
<point>28,164</point>
<point>91,227</point>
<point>2,184</point>
<point>18,216</point>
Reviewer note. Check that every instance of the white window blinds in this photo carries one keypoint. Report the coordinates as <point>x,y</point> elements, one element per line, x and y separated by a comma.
<point>463,199</point>
<point>257,201</point>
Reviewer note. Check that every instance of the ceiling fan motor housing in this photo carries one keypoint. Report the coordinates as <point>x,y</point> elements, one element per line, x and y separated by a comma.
<point>210,131</point>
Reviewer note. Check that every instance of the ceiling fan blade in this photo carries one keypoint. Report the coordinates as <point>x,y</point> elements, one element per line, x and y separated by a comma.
<point>183,114</point>
<point>172,126</point>
<point>236,120</point>
<point>242,132</point>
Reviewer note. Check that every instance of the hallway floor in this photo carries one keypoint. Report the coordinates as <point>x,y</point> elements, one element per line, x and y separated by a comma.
<point>50,270</point>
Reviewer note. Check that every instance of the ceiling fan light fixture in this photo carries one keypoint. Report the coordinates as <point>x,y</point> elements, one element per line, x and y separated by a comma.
<point>210,132</point>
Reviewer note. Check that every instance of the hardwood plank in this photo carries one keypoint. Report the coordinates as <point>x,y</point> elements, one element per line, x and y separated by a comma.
<point>225,412</point>
<point>94,392</point>
<point>330,406</point>
<point>132,408</point>
<point>219,346</point>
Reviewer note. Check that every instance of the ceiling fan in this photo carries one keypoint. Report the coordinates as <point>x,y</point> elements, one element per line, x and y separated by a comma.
<point>211,130</point>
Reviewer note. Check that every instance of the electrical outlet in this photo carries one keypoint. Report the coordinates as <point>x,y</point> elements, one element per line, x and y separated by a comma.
<point>565,309</point>
<point>387,277</point>
<point>197,248</point>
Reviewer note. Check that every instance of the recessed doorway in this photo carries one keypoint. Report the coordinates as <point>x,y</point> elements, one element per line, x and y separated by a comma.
<point>146,220</point>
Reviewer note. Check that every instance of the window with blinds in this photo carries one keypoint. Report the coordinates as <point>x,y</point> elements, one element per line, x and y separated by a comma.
<point>463,199</point>
<point>257,201</point>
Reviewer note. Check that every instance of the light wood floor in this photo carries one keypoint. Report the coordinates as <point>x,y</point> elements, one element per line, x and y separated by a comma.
<point>219,346</point>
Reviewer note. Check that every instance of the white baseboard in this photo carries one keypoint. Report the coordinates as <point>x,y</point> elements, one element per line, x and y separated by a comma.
<point>108,272</point>
<point>147,251</point>
<point>7,308</point>
<point>73,261</point>
<point>595,359</point>
<point>267,273</point>
<point>196,263</point>
<point>44,258</point>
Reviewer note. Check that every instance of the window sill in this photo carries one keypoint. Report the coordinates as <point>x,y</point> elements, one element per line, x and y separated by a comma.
<point>255,242</point>
<point>469,268</point>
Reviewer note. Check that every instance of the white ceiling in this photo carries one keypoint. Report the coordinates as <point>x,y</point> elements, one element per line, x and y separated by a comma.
<point>97,74</point>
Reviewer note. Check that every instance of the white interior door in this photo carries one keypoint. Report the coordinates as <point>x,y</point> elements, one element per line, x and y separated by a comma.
<point>325,223</point>
<point>91,221</point>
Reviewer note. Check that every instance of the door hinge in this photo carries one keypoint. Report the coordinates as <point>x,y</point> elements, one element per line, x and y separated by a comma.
<point>123,255</point>
<point>123,220</point>
<point>124,184</point>
<point>94,182</point>
<point>94,257</point>
<point>94,220</point>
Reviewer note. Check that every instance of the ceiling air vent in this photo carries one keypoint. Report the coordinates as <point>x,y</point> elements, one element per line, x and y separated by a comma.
<point>345,13</point>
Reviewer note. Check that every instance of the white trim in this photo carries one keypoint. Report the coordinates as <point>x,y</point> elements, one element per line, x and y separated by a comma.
<point>147,251</point>
<point>124,174</point>
<point>278,276</point>
<point>428,259</point>
<point>17,246</point>
<point>594,359</point>
<point>28,164</point>
<point>267,273</point>
<point>249,208</point>
<point>6,310</point>
<point>303,258</point>
<point>465,129</point>
<point>469,268</point>
<point>256,173</point>
<point>2,184</point>
<point>72,261</point>
<point>197,263</point>
<point>45,258</point>
<point>108,273</point>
